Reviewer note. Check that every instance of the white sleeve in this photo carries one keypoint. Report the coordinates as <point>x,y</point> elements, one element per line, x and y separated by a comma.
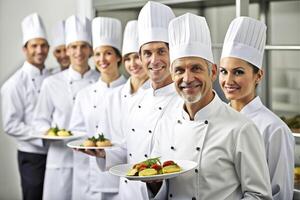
<point>77,120</point>
<point>44,109</point>
<point>251,164</point>
<point>13,111</point>
<point>280,155</point>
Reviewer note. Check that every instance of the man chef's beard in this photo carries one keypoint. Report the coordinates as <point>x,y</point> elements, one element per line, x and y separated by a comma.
<point>190,99</point>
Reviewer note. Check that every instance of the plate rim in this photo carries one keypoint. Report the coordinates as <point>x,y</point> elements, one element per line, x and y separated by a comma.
<point>91,148</point>
<point>45,137</point>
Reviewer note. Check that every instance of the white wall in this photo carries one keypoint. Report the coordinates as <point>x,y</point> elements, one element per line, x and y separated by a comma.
<point>11,57</point>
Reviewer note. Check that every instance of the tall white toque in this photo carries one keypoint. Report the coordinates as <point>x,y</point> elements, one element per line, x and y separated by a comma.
<point>245,39</point>
<point>153,22</point>
<point>78,29</point>
<point>130,40</point>
<point>189,35</point>
<point>58,34</point>
<point>107,32</point>
<point>33,27</point>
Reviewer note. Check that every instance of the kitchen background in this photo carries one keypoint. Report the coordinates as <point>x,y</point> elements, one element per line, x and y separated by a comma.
<point>280,91</point>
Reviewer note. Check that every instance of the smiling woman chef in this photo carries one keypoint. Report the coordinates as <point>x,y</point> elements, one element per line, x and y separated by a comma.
<point>88,181</point>
<point>240,73</point>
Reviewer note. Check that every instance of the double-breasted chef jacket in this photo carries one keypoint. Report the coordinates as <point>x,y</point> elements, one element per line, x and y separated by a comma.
<point>228,148</point>
<point>54,108</point>
<point>88,181</point>
<point>19,96</point>
<point>279,144</point>
<point>139,129</point>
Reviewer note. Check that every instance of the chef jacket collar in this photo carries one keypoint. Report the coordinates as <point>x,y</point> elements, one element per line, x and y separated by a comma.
<point>127,87</point>
<point>168,89</point>
<point>113,84</point>
<point>209,111</point>
<point>253,105</point>
<point>75,76</point>
<point>32,70</point>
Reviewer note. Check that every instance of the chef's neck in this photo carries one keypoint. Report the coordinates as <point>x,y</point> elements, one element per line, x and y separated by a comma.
<point>161,84</point>
<point>81,69</point>
<point>239,104</point>
<point>193,108</point>
<point>136,83</point>
<point>109,77</point>
<point>40,67</point>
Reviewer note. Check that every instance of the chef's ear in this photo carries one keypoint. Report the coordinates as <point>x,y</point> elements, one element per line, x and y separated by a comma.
<point>214,72</point>
<point>260,75</point>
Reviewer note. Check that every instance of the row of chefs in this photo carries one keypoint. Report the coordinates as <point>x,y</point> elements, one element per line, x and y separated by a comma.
<point>175,114</point>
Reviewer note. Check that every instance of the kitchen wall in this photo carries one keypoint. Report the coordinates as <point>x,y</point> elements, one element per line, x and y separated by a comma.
<point>11,57</point>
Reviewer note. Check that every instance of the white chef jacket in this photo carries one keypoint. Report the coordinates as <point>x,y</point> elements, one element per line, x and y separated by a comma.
<point>54,107</point>
<point>19,96</point>
<point>227,147</point>
<point>141,122</point>
<point>55,70</point>
<point>87,116</point>
<point>279,143</point>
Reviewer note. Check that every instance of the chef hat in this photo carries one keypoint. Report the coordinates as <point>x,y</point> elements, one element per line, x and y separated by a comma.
<point>78,29</point>
<point>189,36</point>
<point>153,23</point>
<point>107,31</point>
<point>245,39</point>
<point>58,34</point>
<point>33,27</point>
<point>130,40</point>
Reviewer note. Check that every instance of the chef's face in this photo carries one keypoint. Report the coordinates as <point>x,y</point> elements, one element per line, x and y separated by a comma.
<point>60,53</point>
<point>79,53</point>
<point>238,79</point>
<point>156,61</point>
<point>106,59</point>
<point>134,67</point>
<point>36,51</point>
<point>193,78</point>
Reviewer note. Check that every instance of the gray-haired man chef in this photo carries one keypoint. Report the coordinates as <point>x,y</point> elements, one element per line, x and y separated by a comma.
<point>228,148</point>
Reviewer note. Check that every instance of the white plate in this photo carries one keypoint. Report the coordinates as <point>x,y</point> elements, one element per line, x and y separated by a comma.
<point>122,170</point>
<point>74,135</point>
<point>78,145</point>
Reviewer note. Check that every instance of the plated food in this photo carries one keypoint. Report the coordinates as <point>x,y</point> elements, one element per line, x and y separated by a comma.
<point>58,132</point>
<point>293,123</point>
<point>97,141</point>
<point>152,167</point>
<point>156,171</point>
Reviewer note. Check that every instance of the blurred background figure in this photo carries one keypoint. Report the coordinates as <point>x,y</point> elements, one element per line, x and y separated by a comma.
<point>19,95</point>
<point>59,47</point>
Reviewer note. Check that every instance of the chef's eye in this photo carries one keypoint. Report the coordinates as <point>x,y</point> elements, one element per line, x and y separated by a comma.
<point>238,72</point>
<point>147,53</point>
<point>161,51</point>
<point>223,71</point>
<point>178,71</point>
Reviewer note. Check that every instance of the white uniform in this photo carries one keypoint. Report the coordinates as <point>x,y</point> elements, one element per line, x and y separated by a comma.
<point>227,147</point>
<point>143,117</point>
<point>19,96</point>
<point>88,181</point>
<point>54,107</point>
<point>279,143</point>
